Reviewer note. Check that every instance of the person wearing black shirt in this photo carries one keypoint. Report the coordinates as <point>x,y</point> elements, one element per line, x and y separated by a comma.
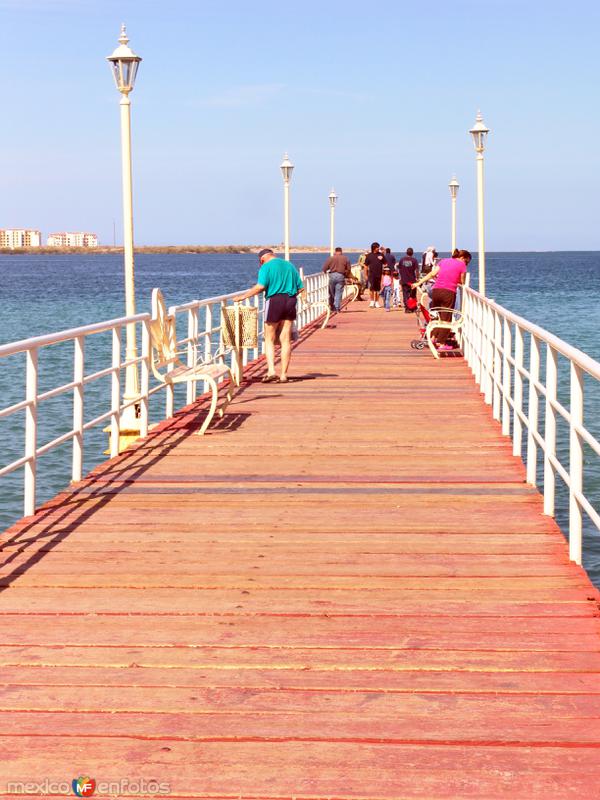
<point>408,267</point>
<point>374,264</point>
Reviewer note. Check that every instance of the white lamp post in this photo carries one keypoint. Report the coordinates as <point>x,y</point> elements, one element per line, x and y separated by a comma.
<point>286,170</point>
<point>332,201</point>
<point>479,133</point>
<point>453,186</point>
<point>125,66</point>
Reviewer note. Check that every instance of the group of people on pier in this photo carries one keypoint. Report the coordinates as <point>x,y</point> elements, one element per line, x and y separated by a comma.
<point>392,281</point>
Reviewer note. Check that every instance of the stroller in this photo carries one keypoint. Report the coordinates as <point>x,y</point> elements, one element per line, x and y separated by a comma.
<point>420,298</point>
<point>425,315</point>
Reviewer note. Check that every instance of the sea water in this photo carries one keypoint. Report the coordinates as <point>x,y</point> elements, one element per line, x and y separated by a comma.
<point>41,294</point>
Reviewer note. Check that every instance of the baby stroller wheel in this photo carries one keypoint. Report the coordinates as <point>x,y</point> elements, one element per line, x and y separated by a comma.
<point>421,344</point>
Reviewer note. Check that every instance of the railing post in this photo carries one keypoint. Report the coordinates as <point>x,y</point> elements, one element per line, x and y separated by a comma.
<point>256,304</point>
<point>467,330</point>
<point>31,392</point>
<point>208,325</point>
<point>170,388</point>
<point>488,364</point>
<point>479,343</point>
<point>236,362</point>
<point>192,351</point>
<point>506,377</point>
<point>301,314</point>
<point>78,374</point>
<point>497,373</point>
<point>145,378</point>
<point>550,429</point>
<point>261,324</point>
<point>482,345</point>
<point>575,464</point>
<point>115,394</point>
<point>322,292</point>
<point>518,400</point>
<point>533,410</point>
<point>169,397</point>
<point>245,349</point>
<point>222,307</point>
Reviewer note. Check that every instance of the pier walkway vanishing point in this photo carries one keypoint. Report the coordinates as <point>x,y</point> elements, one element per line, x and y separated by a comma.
<point>345,589</point>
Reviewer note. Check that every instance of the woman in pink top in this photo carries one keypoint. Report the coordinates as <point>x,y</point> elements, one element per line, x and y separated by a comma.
<point>449,273</point>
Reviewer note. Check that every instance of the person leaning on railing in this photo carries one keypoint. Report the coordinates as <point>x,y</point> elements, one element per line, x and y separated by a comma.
<point>281,282</point>
<point>339,269</point>
<point>448,274</point>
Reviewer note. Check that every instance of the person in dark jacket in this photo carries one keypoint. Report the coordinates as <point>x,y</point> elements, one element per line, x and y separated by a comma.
<point>408,267</point>
<point>339,269</point>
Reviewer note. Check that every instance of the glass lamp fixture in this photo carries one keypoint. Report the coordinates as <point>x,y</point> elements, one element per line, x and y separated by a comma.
<point>124,63</point>
<point>479,133</point>
<point>286,168</point>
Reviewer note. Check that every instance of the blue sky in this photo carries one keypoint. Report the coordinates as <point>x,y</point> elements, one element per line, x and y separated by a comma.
<point>373,98</point>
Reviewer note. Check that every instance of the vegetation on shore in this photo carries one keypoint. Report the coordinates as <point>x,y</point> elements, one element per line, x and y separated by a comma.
<point>196,248</point>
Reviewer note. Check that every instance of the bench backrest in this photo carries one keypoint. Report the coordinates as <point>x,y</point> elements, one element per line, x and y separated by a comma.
<point>456,322</point>
<point>162,333</point>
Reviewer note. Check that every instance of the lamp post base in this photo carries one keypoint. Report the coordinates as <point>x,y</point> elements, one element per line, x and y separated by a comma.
<point>127,436</point>
<point>130,428</point>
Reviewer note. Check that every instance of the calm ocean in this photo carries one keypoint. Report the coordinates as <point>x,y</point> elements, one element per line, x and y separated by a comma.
<point>41,294</point>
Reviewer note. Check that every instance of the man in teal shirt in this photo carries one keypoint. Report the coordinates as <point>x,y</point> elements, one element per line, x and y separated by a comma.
<point>281,283</point>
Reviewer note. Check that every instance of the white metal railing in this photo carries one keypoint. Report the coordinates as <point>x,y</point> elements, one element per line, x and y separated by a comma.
<point>202,341</point>
<point>32,405</point>
<point>518,368</point>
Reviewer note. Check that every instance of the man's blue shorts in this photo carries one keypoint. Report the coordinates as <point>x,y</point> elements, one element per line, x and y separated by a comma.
<point>280,307</point>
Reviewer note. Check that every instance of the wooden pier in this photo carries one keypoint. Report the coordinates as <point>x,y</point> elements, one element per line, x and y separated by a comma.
<point>344,590</point>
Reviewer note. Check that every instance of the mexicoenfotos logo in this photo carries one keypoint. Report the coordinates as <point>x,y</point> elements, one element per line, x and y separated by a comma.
<point>83,786</point>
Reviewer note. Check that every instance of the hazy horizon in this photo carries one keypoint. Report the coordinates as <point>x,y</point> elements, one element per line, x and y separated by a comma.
<point>293,249</point>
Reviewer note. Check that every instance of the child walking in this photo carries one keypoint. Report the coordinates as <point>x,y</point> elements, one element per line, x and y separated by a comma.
<point>386,287</point>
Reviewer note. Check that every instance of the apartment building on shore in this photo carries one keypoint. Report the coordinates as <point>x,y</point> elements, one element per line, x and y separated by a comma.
<point>72,239</point>
<point>20,237</point>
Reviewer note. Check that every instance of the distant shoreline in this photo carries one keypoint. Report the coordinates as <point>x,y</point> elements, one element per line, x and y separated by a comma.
<point>175,249</point>
<point>229,249</point>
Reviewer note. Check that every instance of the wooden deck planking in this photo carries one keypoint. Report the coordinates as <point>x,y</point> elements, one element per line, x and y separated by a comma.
<point>344,590</point>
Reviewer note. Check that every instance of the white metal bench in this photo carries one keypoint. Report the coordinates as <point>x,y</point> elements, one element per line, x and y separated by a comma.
<point>454,325</point>
<point>168,368</point>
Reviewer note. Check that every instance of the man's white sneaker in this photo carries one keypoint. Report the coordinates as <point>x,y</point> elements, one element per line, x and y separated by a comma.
<point>372,304</point>
<point>377,305</point>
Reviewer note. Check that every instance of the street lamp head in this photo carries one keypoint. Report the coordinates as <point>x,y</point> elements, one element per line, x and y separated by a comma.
<point>332,198</point>
<point>286,168</point>
<point>124,64</point>
<point>453,186</point>
<point>479,132</point>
